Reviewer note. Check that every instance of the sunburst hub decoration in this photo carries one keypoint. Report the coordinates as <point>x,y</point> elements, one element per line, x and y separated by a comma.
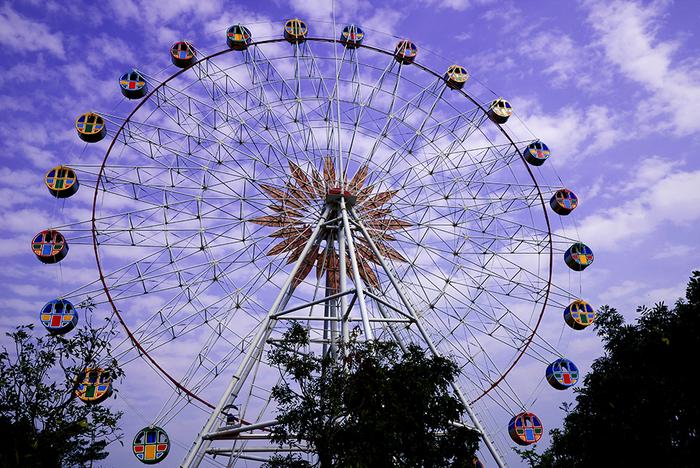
<point>304,192</point>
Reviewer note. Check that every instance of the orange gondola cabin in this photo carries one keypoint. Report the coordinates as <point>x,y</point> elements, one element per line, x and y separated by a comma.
<point>50,246</point>
<point>525,428</point>
<point>563,202</point>
<point>182,54</point>
<point>405,52</point>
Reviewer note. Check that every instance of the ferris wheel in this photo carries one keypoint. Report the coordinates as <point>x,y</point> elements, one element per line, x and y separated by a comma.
<point>325,181</point>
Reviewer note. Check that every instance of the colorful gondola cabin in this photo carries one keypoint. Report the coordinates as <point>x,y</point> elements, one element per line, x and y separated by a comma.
<point>182,54</point>
<point>352,36</point>
<point>405,52</point>
<point>61,182</point>
<point>499,111</point>
<point>525,428</point>
<point>536,153</point>
<point>94,385</point>
<point>238,37</point>
<point>579,314</point>
<point>50,246</point>
<point>578,257</point>
<point>295,31</point>
<point>562,374</point>
<point>133,85</point>
<point>456,76</point>
<point>59,316</point>
<point>151,445</point>
<point>563,202</point>
<point>91,127</point>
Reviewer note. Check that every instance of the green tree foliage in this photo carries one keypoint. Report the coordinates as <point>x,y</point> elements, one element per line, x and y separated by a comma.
<point>42,422</point>
<point>379,406</point>
<point>639,404</point>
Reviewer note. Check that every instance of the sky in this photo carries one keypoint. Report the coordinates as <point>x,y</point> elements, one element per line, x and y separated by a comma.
<point>613,87</point>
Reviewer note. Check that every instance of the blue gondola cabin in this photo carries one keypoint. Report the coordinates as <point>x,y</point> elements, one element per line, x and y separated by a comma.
<point>405,52</point>
<point>182,54</point>
<point>94,386</point>
<point>352,36</point>
<point>133,85</point>
<point>578,257</point>
<point>579,314</point>
<point>525,429</point>
<point>295,31</point>
<point>563,202</point>
<point>91,127</point>
<point>50,246</point>
<point>456,76</point>
<point>562,374</point>
<point>61,182</point>
<point>151,445</point>
<point>500,111</point>
<point>536,153</point>
<point>59,316</point>
<point>238,37</point>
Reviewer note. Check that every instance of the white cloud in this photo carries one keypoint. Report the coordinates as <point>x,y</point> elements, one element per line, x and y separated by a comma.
<point>25,35</point>
<point>570,130</point>
<point>670,200</point>
<point>628,34</point>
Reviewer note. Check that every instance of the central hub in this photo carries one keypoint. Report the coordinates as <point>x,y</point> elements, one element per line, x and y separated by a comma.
<point>292,206</point>
<point>334,195</point>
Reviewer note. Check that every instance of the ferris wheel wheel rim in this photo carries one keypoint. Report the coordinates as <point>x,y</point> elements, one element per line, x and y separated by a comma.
<point>418,65</point>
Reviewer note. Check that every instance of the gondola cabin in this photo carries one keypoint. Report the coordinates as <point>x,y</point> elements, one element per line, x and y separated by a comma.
<point>456,76</point>
<point>525,429</point>
<point>151,445</point>
<point>59,316</point>
<point>405,52</point>
<point>476,463</point>
<point>61,182</point>
<point>182,54</point>
<point>94,385</point>
<point>499,111</point>
<point>563,202</point>
<point>562,374</point>
<point>295,31</point>
<point>50,246</point>
<point>579,314</point>
<point>352,36</point>
<point>536,153</point>
<point>91,127</point>
<point>578,257</point>
<point>133,85</point>
<point>238,37</point>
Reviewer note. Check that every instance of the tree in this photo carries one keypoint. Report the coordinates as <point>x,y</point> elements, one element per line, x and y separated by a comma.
<point>42,422</point>
<point>379,406</point>
<point>639,404</point>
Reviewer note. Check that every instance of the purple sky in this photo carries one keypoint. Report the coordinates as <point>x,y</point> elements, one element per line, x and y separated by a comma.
<point>612,87</point>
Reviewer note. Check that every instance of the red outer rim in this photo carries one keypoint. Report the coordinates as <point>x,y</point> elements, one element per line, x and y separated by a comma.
<point>150,358</point>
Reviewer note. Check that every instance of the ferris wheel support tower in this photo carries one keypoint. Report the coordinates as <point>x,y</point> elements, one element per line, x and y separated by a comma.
<point>337,221</point>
